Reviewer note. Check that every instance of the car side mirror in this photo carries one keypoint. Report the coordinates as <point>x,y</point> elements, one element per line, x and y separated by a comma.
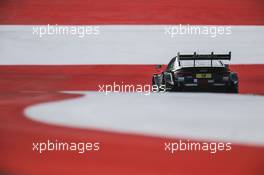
<point>159,66</point>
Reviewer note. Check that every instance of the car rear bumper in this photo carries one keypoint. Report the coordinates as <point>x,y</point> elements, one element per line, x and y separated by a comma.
<point>204,87</point>
<point>209,85</point>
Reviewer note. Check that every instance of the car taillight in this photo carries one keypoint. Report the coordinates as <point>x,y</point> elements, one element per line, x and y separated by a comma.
<point>225,77</point>
<point>184,74</point>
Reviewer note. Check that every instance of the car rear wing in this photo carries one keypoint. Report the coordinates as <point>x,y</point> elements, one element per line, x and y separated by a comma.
<point>211,57</point>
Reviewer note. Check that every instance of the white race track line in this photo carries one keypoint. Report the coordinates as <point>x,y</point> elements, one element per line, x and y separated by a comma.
<point>219,117</point>
<point>125,44</point>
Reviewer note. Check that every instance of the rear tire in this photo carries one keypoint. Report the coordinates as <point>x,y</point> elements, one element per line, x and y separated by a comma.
<point>155,84</point>
<point>168,87</point>
<point>233,89</point>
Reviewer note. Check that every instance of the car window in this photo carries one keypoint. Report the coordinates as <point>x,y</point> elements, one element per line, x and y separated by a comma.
<point>201,63</point>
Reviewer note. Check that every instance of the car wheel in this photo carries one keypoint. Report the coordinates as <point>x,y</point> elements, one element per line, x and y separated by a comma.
<point>233,89</point>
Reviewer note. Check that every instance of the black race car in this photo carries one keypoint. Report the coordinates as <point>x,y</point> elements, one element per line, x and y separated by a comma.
<point>197,72</point>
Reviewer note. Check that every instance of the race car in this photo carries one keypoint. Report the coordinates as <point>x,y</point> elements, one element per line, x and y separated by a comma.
<point>197,72</point>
